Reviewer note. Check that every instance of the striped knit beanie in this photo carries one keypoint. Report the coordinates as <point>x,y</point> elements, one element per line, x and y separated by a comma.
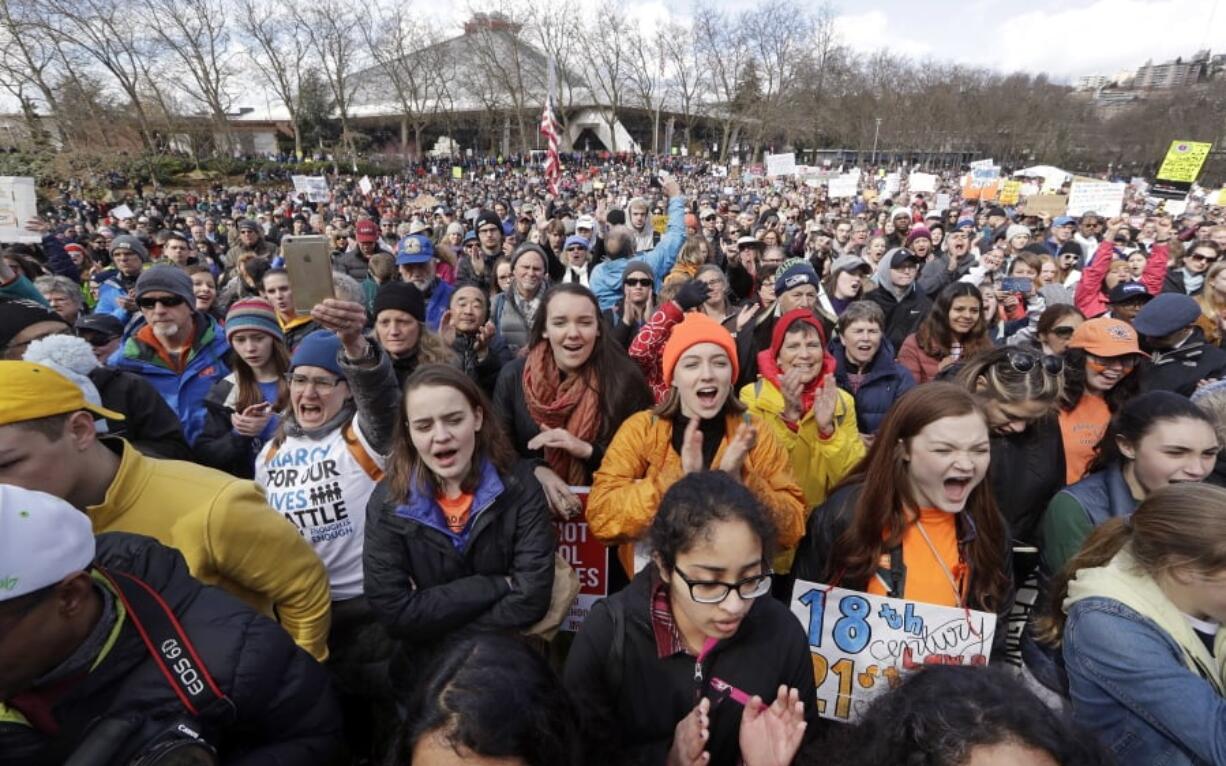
<point>253,314</point>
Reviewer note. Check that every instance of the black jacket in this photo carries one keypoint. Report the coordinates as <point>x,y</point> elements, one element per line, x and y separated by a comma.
<point>1027,472</point>
<point>636,700</point>
<point>218,446</point>
<point>902,317</point>
<point>1181,369</point>
<point>284,710</point>
<point>428,592</point>
<point>149,423</point>
<point>1173,283</point>
<point>510,404</point>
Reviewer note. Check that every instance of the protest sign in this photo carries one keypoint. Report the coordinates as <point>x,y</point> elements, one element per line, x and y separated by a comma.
<point>720,171</point>
<point>365,185</point>
<point>842,187</point>
<point>1010,193</point>
<point>1050,205</point>
<point>314,187</point>
<point>981,177</point>
<point>1183,161</point>
<point>893,182</point>
<point>942,201</point>
<point>122,212</point>
<point>457,172</point>
<point>781,164</point>
<point>17,207</point>
<point>588,557</point>
<point>862,644</point>
<point>1101,197</point>
<point>921,182</point>
<point>980,164</point>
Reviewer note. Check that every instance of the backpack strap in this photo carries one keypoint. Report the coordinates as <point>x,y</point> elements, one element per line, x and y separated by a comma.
<point>360,454</point>
<point>169,647</point>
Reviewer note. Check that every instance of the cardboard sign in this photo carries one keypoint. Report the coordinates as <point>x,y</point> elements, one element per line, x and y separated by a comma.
<point>921,182</point>
<point>588,557</point>
<point>1183,161</point>
<point>862,644</point>
<point>1051,205</point>
<point>1101,197</point>
<point>18,206</point>
<point>781,164</point>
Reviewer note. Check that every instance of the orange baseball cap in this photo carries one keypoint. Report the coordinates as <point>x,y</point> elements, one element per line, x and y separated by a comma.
<point>1106,337</point>
<point>30,391</point>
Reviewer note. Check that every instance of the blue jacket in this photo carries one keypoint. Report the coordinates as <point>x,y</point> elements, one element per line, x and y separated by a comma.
<point>185,392</point>
<point>885,381</point>
<point>437,302</point>
<point>606,278</point>
<point>109,293</point>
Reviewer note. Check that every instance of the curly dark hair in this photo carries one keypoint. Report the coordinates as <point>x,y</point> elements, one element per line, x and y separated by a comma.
<point>939,715</point>
<point>1075,383</point>
<point>692,504</point>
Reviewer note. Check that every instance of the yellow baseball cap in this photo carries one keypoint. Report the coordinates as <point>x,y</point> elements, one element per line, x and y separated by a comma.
<point>30,391</point>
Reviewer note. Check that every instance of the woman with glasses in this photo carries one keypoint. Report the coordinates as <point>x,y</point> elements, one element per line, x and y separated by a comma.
<point>1099,377</point>
<point>1187,274</point>
<point>694,663</point>
<point>718,304</point>
<point>918,521</point>
<point>243,408</point>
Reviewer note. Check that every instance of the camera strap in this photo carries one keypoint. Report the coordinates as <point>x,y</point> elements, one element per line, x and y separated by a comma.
<point>169,647</point>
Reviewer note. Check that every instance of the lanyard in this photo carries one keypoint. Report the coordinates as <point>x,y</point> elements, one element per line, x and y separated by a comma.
<point>953,583</point>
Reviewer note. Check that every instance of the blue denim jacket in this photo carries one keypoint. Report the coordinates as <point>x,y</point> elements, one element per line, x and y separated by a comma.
<point>1129,683</point>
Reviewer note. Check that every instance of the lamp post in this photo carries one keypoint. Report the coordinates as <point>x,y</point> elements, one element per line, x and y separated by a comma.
<point>876,133</point>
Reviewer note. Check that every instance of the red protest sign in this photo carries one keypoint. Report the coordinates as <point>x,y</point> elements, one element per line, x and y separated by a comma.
<point>588,557</point>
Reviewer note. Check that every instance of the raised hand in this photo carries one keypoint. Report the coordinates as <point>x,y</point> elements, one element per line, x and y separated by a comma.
<point>771,735</point>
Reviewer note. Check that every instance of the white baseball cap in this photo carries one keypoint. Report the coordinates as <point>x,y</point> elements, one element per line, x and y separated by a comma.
<point>585,222</point>
<point>43,539</point>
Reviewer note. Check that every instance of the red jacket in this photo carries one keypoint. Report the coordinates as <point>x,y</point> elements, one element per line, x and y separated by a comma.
<point>1089,295</point>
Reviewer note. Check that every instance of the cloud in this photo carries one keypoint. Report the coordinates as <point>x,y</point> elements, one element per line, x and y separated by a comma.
<point>1103,36</point>
<point>870,31</point>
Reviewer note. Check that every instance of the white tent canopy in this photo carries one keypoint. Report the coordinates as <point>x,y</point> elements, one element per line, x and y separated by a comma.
<point>1053,176</point>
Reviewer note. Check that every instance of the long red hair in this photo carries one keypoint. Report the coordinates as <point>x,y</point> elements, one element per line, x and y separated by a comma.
<point>880,516</point>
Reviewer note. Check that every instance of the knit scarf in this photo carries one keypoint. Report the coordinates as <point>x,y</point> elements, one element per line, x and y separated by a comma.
<point>1192,282</point>
<point>572,404</point>
<point>768,364</point>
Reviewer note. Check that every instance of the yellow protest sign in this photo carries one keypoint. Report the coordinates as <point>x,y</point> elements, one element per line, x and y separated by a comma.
<point>1183,161</point>
<point>1011,193</point>
<point>457,171</point>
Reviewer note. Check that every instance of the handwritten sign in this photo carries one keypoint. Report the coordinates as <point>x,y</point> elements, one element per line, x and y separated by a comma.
<point>981,177</point>
<point>893,182</point>
<point>457,172</point>
<point>1045,204</point>
<point>862,644</point>
<point>1101,197</point>
<point>977,164</point>
<point>1183,161</point>
<point>314,187</point>
<point>365,185</point>
<point>842,187</point>
<point>17,207</point>
<point>921,182</point>
<point>781,164</point>
<point>1010,193</point>
<point>588,557</point>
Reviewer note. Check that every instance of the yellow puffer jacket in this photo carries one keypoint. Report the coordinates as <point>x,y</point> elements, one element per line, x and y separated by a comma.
<point>641,464</point>
<point>818,464</point>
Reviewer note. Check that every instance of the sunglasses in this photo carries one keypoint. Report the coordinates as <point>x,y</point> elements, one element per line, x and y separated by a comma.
<point>169,301</point>
<point>1064,332</point>
<point>632,282</point>
<point>94,339</point>
<point>1127,362</point>
<point>576,249</point>
<point>1200,257</point>
<point>1024,363</point>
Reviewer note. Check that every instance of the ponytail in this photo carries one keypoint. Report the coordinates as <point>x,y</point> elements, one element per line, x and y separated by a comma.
<point>1107,539</point>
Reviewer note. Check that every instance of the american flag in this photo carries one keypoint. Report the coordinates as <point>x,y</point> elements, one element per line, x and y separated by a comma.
<point>549,129</point>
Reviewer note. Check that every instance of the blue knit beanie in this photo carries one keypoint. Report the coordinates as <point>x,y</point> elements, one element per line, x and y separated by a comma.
<point>319,349</point>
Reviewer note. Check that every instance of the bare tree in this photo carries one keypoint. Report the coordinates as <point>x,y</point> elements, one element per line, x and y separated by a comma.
<point>646,75</point>
<point>683,76</point>
<point>408,64</point>
<point>197,35</point>
<point>280,48</point>
<point>779,34</point>
<point>553,26</point>
<point>723,51</point>
<point>332,27</point>
<point>501,66</point>
<point>28,62</point>
<point>607,53</point>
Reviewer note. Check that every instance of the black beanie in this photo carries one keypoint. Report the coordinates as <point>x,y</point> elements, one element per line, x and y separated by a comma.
<point>16,314</point>
<point>401,296</point>
<point>487,218</point>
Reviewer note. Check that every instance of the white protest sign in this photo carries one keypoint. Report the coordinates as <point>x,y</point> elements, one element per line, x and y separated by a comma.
<point>314,187</point>
<point>977,164</point>
<point>942,202</point>
<point>843,186</point>
<point>365,185</point>
<point>720,171</point>
<point>122,212</point>
<point>862,644</point>
<point>921,182</point>
<point>781,164</point>
<point>17,206</point>
<point>893,182</point>
<point>1101,197</point>
<point>981,177</point>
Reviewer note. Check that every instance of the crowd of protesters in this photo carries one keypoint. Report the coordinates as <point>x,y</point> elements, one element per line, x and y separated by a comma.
<point>242,532</point>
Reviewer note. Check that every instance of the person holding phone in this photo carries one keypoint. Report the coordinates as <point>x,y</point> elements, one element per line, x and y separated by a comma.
<point>243,407</point>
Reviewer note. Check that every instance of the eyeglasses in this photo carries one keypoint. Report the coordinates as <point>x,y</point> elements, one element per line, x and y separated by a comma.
<point>576,249</point>
<point>1064,332</point>
<point>632,282</point>
<point>1024,362</point>
<point>715,591</point>
<point>467,245</point>
<point>1127,362</point>
<point>322,385</point>
<point>169,301</point>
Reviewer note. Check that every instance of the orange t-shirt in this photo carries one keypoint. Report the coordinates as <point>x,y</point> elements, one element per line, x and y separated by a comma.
<point>1081,428</point>
<point>926,580</point>
<point>456,510</point>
